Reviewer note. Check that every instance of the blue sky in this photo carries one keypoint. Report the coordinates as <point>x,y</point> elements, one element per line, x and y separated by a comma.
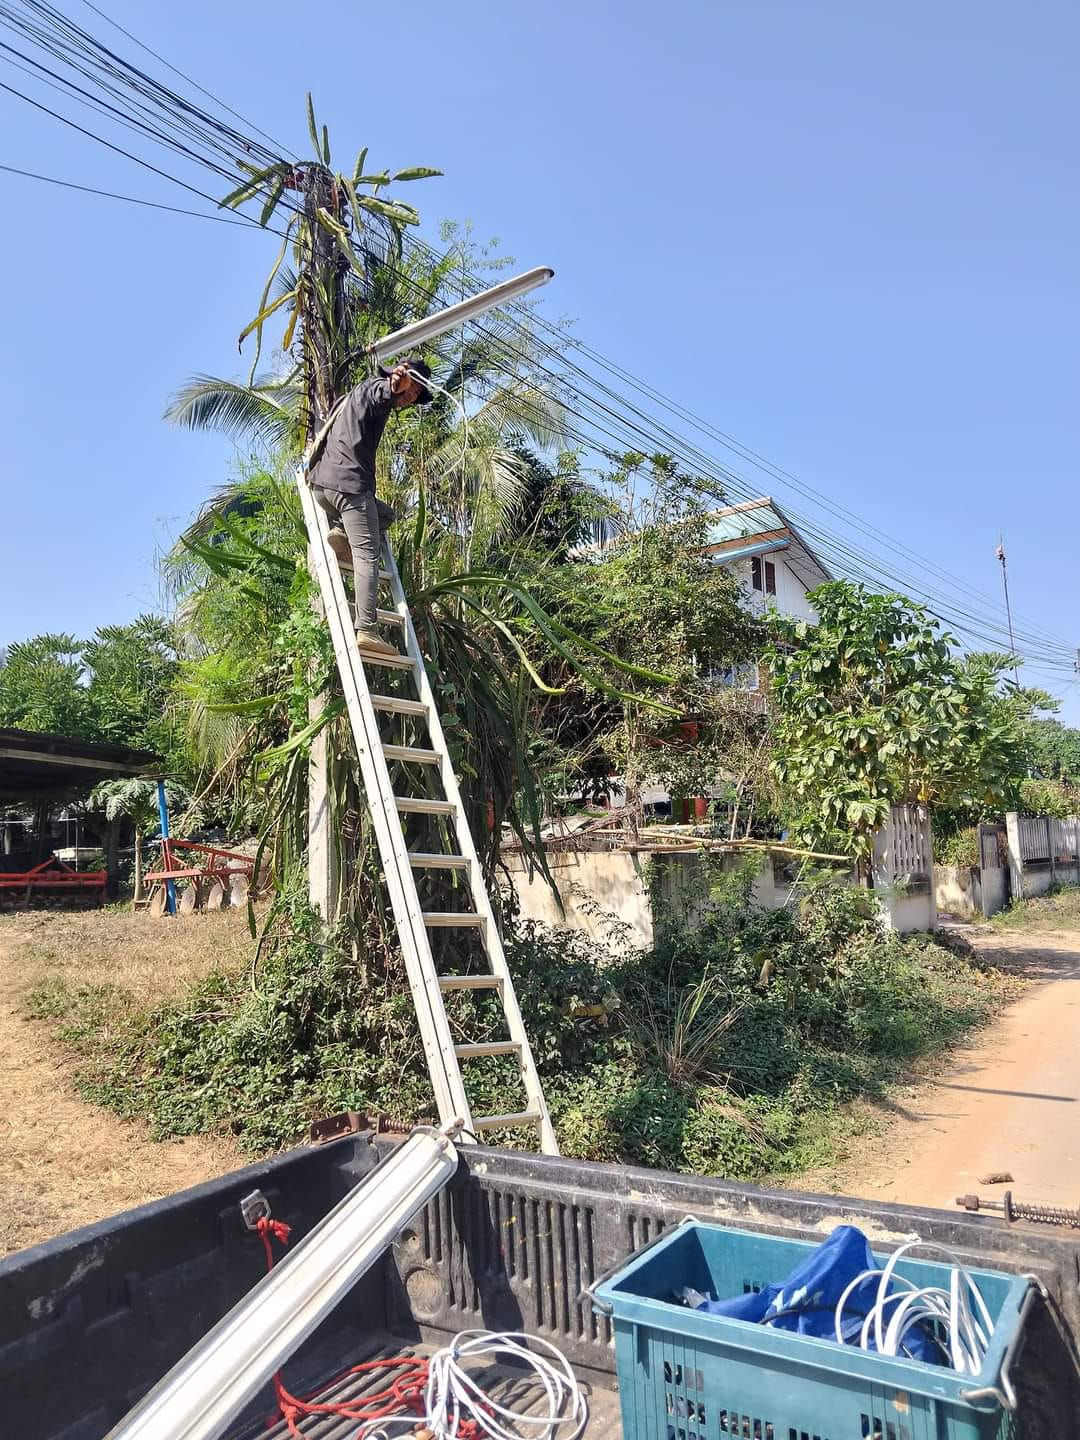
<point>843,233</point>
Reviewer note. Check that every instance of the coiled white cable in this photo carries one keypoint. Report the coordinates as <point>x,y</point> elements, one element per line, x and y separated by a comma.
<point>967,1334</point>
<point>454,1395</point>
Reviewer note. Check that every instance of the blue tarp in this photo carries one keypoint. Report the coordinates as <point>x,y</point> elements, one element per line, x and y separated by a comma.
<point>805,1302</point>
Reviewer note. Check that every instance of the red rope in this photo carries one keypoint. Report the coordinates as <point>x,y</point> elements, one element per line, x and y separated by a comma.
<point>404,1393</point>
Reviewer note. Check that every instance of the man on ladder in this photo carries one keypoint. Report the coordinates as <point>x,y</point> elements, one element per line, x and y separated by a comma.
<point>343,479</point>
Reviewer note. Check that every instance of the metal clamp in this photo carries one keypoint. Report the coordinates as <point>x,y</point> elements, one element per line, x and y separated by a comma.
<point>1004,1392</point>
<point>253,1208</point>
<point>604,1307</point>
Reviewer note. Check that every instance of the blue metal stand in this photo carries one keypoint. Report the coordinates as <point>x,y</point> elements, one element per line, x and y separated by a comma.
<point>163,813</point>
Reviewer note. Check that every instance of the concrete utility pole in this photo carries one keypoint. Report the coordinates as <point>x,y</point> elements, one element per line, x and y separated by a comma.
<point>1008,607</point>
<point>322,270</point>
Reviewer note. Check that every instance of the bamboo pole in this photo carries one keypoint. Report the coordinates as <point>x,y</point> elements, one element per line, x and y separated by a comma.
<point>684,843</point>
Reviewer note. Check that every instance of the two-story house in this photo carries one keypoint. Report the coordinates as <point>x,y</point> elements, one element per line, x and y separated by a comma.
<point>775,568</point>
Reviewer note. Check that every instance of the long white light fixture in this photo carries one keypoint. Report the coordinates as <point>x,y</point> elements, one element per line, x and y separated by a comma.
<point>202,1394</point>
<point>432,325</point>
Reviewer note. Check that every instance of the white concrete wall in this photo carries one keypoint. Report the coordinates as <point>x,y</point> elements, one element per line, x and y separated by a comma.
<point>954,890</point>
<point>790,598</point>
<point>995,889</point>
<point>970,892</point>
<point>596,886</point>
<point>1037,879</point>
<point>593,887</point>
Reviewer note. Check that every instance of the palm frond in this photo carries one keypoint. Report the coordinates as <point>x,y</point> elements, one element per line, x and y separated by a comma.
<point>527,411</point>
<point>265,412</point>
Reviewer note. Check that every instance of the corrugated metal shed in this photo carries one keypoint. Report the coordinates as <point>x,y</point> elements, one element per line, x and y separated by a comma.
<point>36,764</point>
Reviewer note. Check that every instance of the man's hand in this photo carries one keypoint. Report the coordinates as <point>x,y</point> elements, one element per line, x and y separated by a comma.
<point>399,378</point>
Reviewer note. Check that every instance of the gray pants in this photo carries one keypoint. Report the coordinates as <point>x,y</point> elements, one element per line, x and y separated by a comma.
<point>364,520</point>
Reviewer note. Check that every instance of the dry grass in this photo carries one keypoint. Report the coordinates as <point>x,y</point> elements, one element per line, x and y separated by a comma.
<point>67,1163</point>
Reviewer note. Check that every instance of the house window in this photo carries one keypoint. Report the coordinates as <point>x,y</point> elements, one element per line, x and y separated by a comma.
<point>744,676</point>
<point>763,575</point>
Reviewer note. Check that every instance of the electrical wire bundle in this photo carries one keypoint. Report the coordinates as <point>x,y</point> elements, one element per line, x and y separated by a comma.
<point>607,411</point>
<point>957,1317</point>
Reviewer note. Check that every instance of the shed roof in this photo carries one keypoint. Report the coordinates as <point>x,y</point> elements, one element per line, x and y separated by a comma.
<point>34,763</point>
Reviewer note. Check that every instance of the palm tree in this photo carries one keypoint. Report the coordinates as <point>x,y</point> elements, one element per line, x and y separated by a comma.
<point>135,800</point>
<point>458,471</point>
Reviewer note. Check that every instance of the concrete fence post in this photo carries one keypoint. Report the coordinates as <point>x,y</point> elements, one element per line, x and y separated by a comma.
<point>1050,847</point>
<point>1016,856</point>
<point>926,828</point>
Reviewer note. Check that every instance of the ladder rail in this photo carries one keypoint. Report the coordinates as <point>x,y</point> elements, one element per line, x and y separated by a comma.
<point>481,900</point>
<point>434,1025</point>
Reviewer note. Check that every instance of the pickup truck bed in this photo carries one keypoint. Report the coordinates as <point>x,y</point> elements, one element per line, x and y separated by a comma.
<point>91,1320</point>
<point>502,1383</point>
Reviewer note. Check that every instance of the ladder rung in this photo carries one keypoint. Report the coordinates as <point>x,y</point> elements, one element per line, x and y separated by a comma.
<point>392,662</point>
<point>385,575</point>
<point>409,806</point>
<point>490,1047</point>
<point>392,705</point>
<point>451,919</point>
<point>390,617</point>
<point>421,860</point>
<point>408,752</point>
<point>470,982</point>
<point>506,1122</point>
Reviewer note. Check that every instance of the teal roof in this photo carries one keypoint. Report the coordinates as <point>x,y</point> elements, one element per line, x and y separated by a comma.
<point>754,519</point>
<point>743,523</point>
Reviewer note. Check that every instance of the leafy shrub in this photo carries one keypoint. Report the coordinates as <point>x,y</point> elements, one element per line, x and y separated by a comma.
<point>1048,797</point>
<point>725,1048</point>
<point>959,848</point>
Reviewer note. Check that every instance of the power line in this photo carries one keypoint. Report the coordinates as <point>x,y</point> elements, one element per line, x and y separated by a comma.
<point>181,117</point>
<point>108,143</point>
<point>161,59</point>
<point>751,455</point>
<point>129,199</point>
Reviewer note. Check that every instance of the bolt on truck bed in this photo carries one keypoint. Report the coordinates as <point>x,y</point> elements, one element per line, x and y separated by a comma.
<point>91,1320</point>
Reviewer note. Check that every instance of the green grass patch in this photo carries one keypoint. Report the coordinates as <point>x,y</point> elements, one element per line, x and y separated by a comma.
<point>1058,909</point>
<point>730,1047</point>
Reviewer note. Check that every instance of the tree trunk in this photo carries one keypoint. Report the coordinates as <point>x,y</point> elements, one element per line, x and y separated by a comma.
<point>41,826</point>
<point>112,858</point>
<point>138,895</point>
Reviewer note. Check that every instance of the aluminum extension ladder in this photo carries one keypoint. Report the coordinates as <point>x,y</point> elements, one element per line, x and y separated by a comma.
<point>428,987</point>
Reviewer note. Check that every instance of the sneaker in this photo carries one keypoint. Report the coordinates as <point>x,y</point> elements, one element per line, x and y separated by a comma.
<point>374,644</point>
<point>339,544</point>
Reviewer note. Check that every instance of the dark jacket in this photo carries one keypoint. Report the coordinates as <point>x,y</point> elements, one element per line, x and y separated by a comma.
<point>347,462</point>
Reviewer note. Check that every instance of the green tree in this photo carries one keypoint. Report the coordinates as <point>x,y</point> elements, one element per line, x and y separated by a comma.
<point>1053,749</point>
<point>651,597</point>
<point>874,708</point>
<point>42,686</point>
<point>132,670</point>
<point>137,801</point>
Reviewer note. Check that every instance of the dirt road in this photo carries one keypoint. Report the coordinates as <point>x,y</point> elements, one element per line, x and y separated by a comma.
<point>66,1163</point>
<point>1010,1102</point>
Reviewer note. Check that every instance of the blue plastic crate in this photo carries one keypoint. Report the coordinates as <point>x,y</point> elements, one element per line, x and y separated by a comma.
<point>687,1375</point>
